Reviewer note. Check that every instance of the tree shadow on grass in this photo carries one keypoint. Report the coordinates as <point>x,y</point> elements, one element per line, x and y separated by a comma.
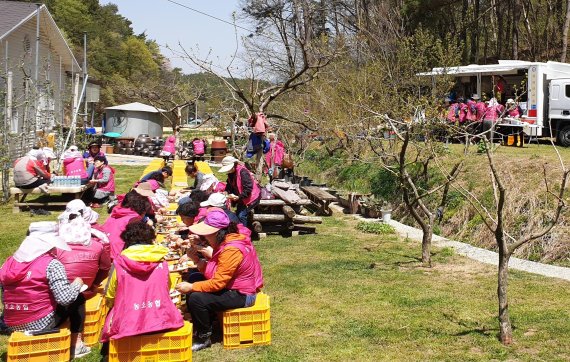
<point>470,327</point>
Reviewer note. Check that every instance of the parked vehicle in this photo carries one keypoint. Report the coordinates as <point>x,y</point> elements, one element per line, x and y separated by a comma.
<point>542,91</point>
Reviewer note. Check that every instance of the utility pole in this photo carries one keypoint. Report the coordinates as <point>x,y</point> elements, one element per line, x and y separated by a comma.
<point>86,112</point>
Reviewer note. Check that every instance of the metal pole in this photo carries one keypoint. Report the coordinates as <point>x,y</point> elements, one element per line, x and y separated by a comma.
<point>36,66</point>
<point>85,77</point>
<point>73,121</point>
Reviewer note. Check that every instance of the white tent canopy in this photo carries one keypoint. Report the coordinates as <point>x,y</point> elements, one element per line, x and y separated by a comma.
<point>136,107</point>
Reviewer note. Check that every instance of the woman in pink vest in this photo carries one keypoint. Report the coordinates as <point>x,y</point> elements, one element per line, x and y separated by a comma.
<point>88,259</point>
<point>132,208</point>
<point>169,148</point>
<point>139,290</point>
<point>233,274</point>
<point>103,182</point>
<point>34,282</point>
<point>274,158</point>
<point>242,187</point>
<point>199,147</point>
<point>74,164</point>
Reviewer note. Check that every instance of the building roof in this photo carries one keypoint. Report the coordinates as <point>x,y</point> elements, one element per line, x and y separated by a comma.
<point>14,14</point>
<point>137,107</point>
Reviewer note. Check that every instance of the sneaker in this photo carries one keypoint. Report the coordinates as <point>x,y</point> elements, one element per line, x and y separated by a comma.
<point>80,350</point>
<point>201,343</point>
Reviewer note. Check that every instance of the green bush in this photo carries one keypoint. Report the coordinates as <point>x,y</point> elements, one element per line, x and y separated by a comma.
<point>375,228</point>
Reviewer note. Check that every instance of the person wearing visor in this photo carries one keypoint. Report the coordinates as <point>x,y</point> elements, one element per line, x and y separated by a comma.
<point>233,274</point>
<point>34,283</point>
<point>241,187</point>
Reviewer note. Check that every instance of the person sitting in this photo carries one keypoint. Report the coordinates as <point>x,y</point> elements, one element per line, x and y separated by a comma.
<point>199,147</point>
<point>233,274</point>
<point>34,282</point>
<point>165,172</point>
<point>74,164</point>
<point>103,182</point>
<point>513,110</point>
<point>93,150</point>
<point>242,187</point>
<point>219,201</point>
<point>139,288</point>
<point>88,259</point>
<point>133,207</point>
<point>29,171</point>
<point>210,184</point>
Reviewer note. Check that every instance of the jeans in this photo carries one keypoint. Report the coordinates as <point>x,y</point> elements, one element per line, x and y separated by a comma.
<point>202,305</point>
<point>90,170</point>
<point>242,211</point>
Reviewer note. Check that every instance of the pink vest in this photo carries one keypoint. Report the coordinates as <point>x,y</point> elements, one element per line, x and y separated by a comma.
<point>220,187</point>
<point>170,144</point>
<point>142,302</point>
<point>278,153</point>
<point>198,147</point>
<point>255,192</point>
<point>470,111</point>
<point>452,111</point>
<point>481,109</point>
<point>82,261</point>
<point>248,277</point>
<point>514,112</point>
<point>493,112</point>
<point>75,167</point>
<point>29,299</point>
<point>115,225</point>
<point>110,185</point>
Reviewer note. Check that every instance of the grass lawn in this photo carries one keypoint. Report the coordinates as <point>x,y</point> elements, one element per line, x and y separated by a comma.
<point>345,295</point>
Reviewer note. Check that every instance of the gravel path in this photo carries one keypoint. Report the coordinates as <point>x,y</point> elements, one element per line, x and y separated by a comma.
<point>475,253</point>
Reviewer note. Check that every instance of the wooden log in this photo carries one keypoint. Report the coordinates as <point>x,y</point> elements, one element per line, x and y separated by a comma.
<point>282,185</point>
<point>275,202</point>
<point>288,211</point>
<point>279,218</point>
<point>257,227</point>
<point>289,196</point>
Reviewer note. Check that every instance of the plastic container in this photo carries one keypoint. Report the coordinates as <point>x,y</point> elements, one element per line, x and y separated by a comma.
<point>246,327</point>
<point>95,313</point>
<point>48,347</point>
<point>175,346</point>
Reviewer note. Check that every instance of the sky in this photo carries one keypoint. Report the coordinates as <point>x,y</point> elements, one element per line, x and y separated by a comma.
<point>170,24</point>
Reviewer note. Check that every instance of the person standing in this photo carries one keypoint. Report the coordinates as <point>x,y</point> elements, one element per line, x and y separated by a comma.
<point>242,187</point>
<point>199,147</point>
<point>169,148</point>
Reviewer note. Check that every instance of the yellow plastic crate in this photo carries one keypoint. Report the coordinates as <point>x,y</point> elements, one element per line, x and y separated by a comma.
<point>45,348</point>
<point>246,327</point>
<point>175,346</point>
<point>95,313</point>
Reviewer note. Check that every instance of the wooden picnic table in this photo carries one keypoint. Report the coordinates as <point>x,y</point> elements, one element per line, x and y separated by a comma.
<point>21,194</point>
<point>320,197</point>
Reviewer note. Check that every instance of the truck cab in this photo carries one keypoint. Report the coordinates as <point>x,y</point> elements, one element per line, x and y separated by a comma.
<point>559,109</point>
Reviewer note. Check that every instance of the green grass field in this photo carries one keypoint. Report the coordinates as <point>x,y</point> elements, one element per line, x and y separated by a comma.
<point>345,295</point>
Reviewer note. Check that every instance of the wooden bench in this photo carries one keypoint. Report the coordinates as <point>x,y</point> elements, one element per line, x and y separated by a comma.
<point>21,194</point>
<point>320,197</point>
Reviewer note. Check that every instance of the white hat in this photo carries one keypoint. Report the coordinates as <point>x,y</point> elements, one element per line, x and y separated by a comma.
<point>48,152</point>
<point>228,163</point>
<point>37,154</point>
<point>510,101</point>
<point>42,238</point>
<point>475,96</point>
<point>215,200</point>
<point>207,181</point>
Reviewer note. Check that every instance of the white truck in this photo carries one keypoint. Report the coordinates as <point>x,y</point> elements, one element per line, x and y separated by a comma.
<point>541,89</point>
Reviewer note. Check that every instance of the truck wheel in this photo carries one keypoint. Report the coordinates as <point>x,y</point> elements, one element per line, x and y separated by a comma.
<point>564,137</point>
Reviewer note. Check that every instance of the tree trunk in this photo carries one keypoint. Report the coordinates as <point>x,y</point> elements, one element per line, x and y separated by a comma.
<point>565,33</point>
<point>506,332</point>
<point>427,229</point>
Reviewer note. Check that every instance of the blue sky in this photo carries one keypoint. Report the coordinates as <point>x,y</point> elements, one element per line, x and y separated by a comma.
<point>170,24</point>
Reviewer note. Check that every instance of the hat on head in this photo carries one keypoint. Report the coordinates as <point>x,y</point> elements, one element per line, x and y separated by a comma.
<point>228,163</point>
<point>94,143</point>
<point>213,222</point>
<point>37,154</point>
<point>73,148</point>
<point>41,239</point>
<point>144,189</point>
<point>215,200</point>
<point>207,181</point>
<point>510,101</point>
<point>475,96</point>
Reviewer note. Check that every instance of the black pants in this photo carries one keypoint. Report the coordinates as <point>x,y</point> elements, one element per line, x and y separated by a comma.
<point>76,314</point>
<point>34,184</point>
<point>202,305</point>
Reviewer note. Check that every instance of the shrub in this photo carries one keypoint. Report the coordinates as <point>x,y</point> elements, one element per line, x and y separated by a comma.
<point>375,228</point>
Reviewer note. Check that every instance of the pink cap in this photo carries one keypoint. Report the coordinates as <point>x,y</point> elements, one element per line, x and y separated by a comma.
<point>214,221</point>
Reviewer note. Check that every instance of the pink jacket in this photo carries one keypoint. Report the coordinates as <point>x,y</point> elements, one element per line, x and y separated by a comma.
<point>75,167</point>
<point>248,278</point>
<point>481,109</point>
<point>27,296</point>
<point>278,154</point>
<point>142,301</point>
<point>259,123</point>
<point>170,144</point>
<point>85,261</point>
<point>115,224</point>
<point>255,192</point>
<point>109,185</point>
